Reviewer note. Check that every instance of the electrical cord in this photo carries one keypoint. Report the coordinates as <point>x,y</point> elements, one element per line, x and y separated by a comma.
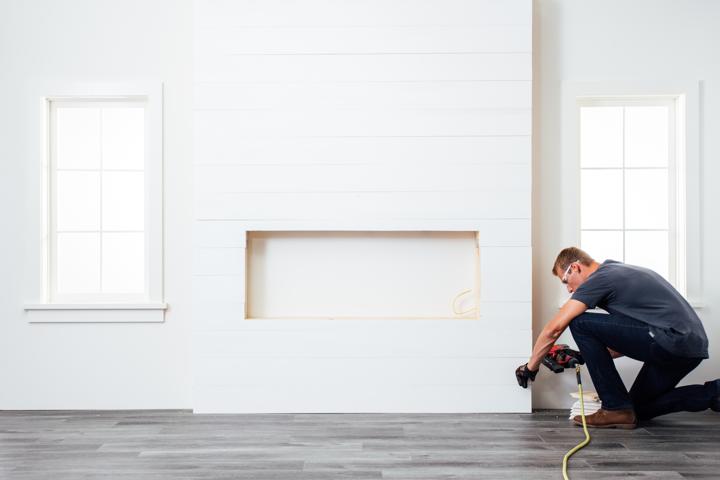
<point>477,285</point>
<point>587,434</point>
<point>454,303</point>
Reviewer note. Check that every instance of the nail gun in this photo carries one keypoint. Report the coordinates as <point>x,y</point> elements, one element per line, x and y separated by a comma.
<point>561,357</point>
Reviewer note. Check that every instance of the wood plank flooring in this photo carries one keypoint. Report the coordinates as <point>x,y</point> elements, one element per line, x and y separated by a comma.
<point>157,445</point>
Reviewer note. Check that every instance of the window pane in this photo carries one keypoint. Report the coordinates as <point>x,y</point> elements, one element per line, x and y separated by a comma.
<point>601,199</point>
<point>78,200</point>
<point>78,263</point>
<point>601,136</point>
<point>602,245</point>
<point>646,139</point>
<point>77,137</point>
<point>123,201</point>
<point>646,197</point>
<point>123,138</point>
<point>648,249</point>
<point>123,263</point>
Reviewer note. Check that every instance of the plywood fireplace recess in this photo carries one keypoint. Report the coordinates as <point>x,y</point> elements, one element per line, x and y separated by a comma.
<point>354,275</point>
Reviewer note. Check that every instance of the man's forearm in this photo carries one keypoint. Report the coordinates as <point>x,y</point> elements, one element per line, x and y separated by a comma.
<point>543,344</point>
<point>553,330</point>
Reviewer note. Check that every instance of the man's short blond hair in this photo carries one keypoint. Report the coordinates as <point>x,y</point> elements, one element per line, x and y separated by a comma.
<point>568,256</point>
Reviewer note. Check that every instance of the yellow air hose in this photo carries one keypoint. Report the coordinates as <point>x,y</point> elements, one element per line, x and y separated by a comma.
<point>587,434</point>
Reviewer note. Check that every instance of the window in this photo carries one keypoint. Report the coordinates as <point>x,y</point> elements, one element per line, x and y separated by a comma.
<point>632,170</point>
<point>102,202</point>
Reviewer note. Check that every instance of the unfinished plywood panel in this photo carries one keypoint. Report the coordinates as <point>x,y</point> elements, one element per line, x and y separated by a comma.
<point>344,275</point>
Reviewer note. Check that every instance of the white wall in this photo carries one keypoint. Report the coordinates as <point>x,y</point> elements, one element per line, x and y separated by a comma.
<point>376,115</point>
<point>647,41</point>
<point>77,366</point>
<point>146,366</point>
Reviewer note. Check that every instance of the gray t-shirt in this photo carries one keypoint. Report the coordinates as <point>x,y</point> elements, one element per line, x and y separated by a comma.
<point>644,295</point>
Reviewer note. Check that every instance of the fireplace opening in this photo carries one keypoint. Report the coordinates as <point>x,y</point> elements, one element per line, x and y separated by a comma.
<point>362,275</point>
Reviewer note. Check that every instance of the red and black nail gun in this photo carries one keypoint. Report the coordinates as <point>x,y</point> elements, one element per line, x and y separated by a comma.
<point>561,357</point>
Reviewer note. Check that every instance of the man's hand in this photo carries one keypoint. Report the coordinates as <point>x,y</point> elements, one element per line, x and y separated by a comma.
<point>552,331</point>
<point>523,374</point>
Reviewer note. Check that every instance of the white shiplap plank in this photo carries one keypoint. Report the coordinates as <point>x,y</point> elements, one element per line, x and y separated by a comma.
<point>361,178</point>
<point>223,315</point>
<point>218,288</point>
<point>378,95</point>
<point>218,261</point>
<point>342,397</point>
<point>506,274</point>
<point>235,13</point>
<point>363,206</point>
<point>233,124</point>
<point>506,315</point>
<point>212,67</point>
<point>218,315</point>
<point>363,40</point>
<point>219,234</point>
<point>316,372</point>
<point>474,338</point>
<point>231,233</point>
<point>414,152</point>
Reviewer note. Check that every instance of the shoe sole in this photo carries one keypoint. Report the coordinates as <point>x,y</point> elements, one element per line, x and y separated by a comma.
<point>624,426</point>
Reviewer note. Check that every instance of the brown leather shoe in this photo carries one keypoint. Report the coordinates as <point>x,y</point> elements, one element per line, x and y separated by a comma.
<point>609,419</point>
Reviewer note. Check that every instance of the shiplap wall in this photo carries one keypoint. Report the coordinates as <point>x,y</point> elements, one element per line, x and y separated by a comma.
<point>374,115</point>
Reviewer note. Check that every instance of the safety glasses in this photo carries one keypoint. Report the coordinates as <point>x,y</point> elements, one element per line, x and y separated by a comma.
<point>564,278</point>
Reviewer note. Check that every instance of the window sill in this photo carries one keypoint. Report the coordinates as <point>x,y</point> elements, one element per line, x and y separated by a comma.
<point>96,313</point>
<point>96,306</point>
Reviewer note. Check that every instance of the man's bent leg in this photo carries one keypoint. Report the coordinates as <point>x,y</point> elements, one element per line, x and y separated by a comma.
<point>653,392</point>
<point>594,333</point>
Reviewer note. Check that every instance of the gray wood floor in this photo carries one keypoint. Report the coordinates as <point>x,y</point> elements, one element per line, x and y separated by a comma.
<point>179,445</point>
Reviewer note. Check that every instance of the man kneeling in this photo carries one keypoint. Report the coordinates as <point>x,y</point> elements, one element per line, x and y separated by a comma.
<point>648,321</point>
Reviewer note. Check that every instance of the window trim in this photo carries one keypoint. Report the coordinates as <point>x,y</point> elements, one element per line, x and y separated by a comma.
<point>686,94</point>
<point>41,93</point>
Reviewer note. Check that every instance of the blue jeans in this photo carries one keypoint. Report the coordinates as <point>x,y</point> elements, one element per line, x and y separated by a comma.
<point>653,393</point>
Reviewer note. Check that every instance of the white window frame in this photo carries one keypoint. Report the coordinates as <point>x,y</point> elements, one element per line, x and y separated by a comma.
<point>684,95</point>
<point>40,291</point>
